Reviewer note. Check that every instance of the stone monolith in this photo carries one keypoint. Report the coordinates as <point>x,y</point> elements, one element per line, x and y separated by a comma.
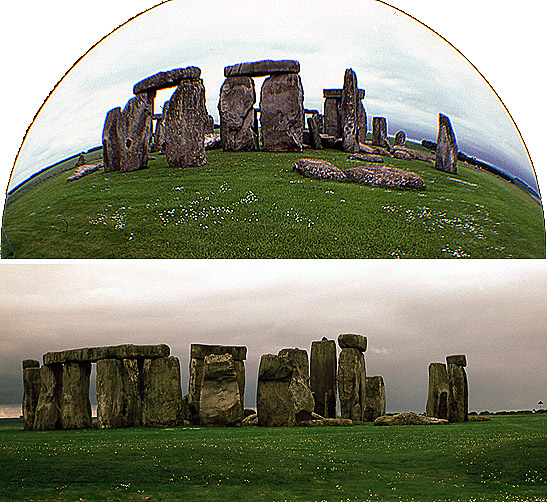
<point>349,113</point>
<point>352,376</point>
<point>75,403</point>
<point>446,156</point>
<point>273,398</point>
<point>375,405</point>
<point>48,410</point>
<point>438,392</point>
<point>111,142</point>
<point>458,391</point>
<point>379,133</point>
<point>323,377</point>
<point>31,391</point>
<point>400,139</point>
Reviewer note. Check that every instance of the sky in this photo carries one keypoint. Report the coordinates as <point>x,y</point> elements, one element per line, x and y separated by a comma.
<point>409,73</point>
<point>412,313</point>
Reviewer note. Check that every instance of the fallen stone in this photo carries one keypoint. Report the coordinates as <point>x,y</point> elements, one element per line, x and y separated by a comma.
<point>75,404</point>
<point>364,148</point>
<point>184,126</point>
<point>401,155</point>
<point>381,151</point>
<point>459,359</point>
<point>220,401</point>
<point>352,384</point>
<point>84,171</point>
<point>376,398</point>
<point>385,177</point>
<point>400,138</point>
<point>366,157</point>
<point>352,341</point>
<point>119,401</point>
<point>262,68</point>
<point>414,154</point>
<point>327,422</point>
<point>438,391</point>
<point>166,79</point>
<point>323,377</point>
<point>237,114</point>
<point>250,421</point>
<point>31,392</point>
<point>479,419</point>
<point>282,113</point>
<point>212,141</point>
<point>93,354</point>
<point>248,411</point>
<point>349,113</point>
<point>162,393</point>
<point>328,141</point>
<point>111,141</point>
<point>48,410</point>
<point>446,158</point>
<point>409,419</point>
<point>320,169</point>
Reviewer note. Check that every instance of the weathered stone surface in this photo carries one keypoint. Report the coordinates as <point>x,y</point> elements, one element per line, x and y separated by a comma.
<point>190,411</point>
<point>212,141</point>
<point>273,398</point>
<point>386,177</point>
<point>93,354</point>
<point>409,419</point>
<point>111,141</point>
<point>119,393</point>
<point>379,133</point>
<point>166,79</point>
<point>195,381</point>
<point>209,125</point>
<point>437,395</point>
<point>329,141</point>
<point>31,392</point>
<point>48,410</point>
<point>458,400</point>
<point>349,115</point>
<point>320,169</point>
<point>200,351</point>
<point>221,403</point>
<point>363,126</point>
<point>458,359</point>
<point>134,130</point>
<point>237,114</point>
<point>84,171</point>
<point>315,137</point>
<point>381,151</point>
<point>162,393</point>
<point>323,377</point>
<point>299,385</point>
<point>262,68</point>
<point>337,93</point>
<point>282,113</point>
<point>185,125</point>
<point>401,155</point>
<point>446,158</point>
<point>75,404</point>
<point>414,154</point>
<point>159,139</point>
<point>352,341</point>
<point>327,422</point>
<point>376,398</point>
<point>30,363</point>
<point>400,138</point>
<point>250,420</point>
<point>332,121</point>
<point>352,384</point>
<point>366,157</point>
<point>364,148</point>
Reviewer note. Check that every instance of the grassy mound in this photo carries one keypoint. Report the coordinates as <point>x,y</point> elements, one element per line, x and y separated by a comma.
<point>489,461</point>
<point>252,205</point>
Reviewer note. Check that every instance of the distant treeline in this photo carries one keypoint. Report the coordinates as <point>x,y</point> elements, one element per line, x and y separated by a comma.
<point>519,412</point>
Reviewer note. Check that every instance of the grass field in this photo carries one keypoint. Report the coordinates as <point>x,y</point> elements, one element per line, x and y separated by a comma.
<point>504,459</point>
<point>252,205</point>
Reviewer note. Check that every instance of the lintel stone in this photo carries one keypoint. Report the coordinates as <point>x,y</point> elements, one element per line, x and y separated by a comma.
<point>262,68</point>
<point>337,93</point>
<point>93,354</point>
<point>459,359</point>
<point>166,79</point>
<point>351,341</point>
<point>199,351</point>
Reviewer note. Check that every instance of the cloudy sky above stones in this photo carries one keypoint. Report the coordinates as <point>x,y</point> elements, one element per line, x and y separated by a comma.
<point>409,73</point>
<point>413,313</point>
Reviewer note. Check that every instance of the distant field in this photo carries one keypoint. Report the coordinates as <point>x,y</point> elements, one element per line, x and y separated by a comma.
<point>252,205</point>
<point>477,461</point>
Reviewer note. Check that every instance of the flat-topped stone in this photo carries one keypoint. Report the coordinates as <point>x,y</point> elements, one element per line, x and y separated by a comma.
<point>30,363</point>
<point>166,79</point>
<point>262,68</point>
<point>459,359</point>
<point>337,93</point>
<point>352,341</point>
<point>93,354</point>
<point>200,351</point>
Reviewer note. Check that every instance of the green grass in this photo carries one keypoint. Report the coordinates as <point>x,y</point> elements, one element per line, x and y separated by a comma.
<point>504,459</point>
<point>252,205</point>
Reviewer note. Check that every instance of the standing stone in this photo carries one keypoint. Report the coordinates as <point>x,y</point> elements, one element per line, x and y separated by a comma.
<point>237,114</point>
<point>458,391</point>
<point>446,158</point>
<point>376,398</point>
<point>363,126</point>
<point>48,410</point>
<point>118,393</point>
<point>209,124</point>
<point>273,398</point>
<point>349,113</point>
<point>299,385</point>
<point>111,142</point>
<point>75,404</point>
<point>282,113</point>
<point>379,133</point>
<point>352,376</point>
<point>400,138</point>
<point>313,128</point>
<point>323,377</point>
<point>162,393</point>
<point>220,402</point>
<point>134,126</point>
<point>160,129</point>
<point>185,125</point>
<point>437,396</point>
<point>31,391</point>
<point>331,114</point>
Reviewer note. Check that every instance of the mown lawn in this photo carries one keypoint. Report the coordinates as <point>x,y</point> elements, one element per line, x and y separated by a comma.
<point>504,459</point>
<point>252,205</point>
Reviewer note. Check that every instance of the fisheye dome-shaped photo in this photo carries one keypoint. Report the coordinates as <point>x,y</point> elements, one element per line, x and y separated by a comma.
<point>193,131</point>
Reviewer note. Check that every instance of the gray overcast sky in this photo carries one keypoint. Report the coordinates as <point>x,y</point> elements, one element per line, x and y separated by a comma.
<point>413,313</point>
<point>409,73</point>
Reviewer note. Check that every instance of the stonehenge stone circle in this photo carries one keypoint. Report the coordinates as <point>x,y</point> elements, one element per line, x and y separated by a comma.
<point>458,391</point>
<point>323,377</point>
<point>237,114</point>
<point>221,402</point>
<point>262,68</point>
<point>437,397</point>
<point>75,404</point>
<point>31,391</point>
<point>282,113</point>
<point>375,405</point>
<point>273,398</point>
<point>446,157</point>
<point>352,379</point>
<point>166,79</point>
<point>333,124</point>
<point>317,168</point>
<point>349,113</point>
<point>111,142</point>
<point>185,126</point>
